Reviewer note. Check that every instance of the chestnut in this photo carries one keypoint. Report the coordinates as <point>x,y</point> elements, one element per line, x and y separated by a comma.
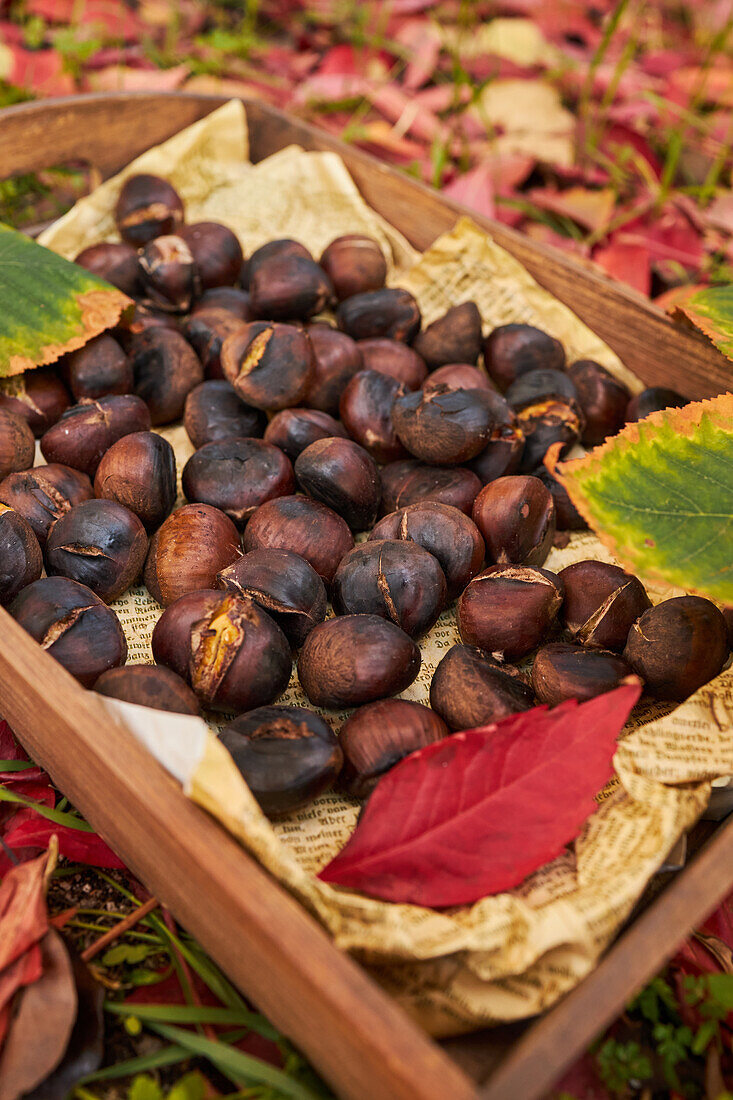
<point>355,264</point>
<point>148,686</point>
<point>445,532</point>
<point>282,247</point>
<point>230,298</point>
<point>516,517</point>
<point>188,551</point>
<point>390,312</point>
<point>213,411</point>
<point>139,471</point>
<point>98,369</point>
<point>513,350</point>
<point>169,274</point>
<point>567,516</point>
<point>336,359</point>
<point>678,646</point>
<point>653,399</point>
<point>269,365</point>
<point>147,206</point>
<point>114,261</point>
<point>284,585</point>
<point>99,543</point>
<point>541,385</point>
<point>72,625</point>
<point>453,338</point>
<point>366,412</point>
<point>292,430</point>
<point>444,427</point>
<point>284,288</point>
<point>304,526</point>
<point>509,609</point>
<point>39,397</point>
<point>602,602</point>
<point>288,756</point>
<point>471,689</point>
<point>395,579</point>
<point>206,330</point>
<point>561,671</point>
<point>166,369</point>
<point>142,319</point>
<point>457,376</point>
<point>21,561</point>
<point>216,252</point>
<point>234,656</point>
<point>410,482</point>
<point>237,475</point>
<point>44,494</point>
<point>344,476</point>
<point>17,444</point>
<point>394,358</point>
<point>87,430</point>
<point>502,455</point>
<point>356,659</point>
<point>602,399</point>
<point>377,736</point>
<point>548,412</point>
<point>728,616</point>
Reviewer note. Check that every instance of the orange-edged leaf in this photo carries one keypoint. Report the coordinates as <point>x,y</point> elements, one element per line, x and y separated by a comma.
<point>474,814</point>
<point>711,311</point>
<point>23,923</point>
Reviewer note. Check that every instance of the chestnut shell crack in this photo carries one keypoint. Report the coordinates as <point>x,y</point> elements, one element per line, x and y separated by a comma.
<point>63,625</point>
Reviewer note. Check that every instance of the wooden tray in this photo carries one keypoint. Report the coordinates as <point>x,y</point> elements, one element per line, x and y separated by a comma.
<point>356,1036</point>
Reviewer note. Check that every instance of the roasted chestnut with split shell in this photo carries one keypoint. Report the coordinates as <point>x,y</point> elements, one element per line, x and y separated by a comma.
<point>269,365</point>
<point>356,659</point>
<point>147,207</point>
<point>17,445</point>
<point>602,398</point>
<point>394,358</point>
<point>21,561</point>
<point>166,369</point>
<point>390,312</point>
<point>366,407</point>
<point>344,476</point>
<point>678,646</point>
<point>602,603</point>
<point>194,544</point>
<point>292,430</point>
<point>509,609</point>
<point>139,471</point>
<point>228,649</point>
<point>216,252</point>
<point>214,411</point>
<point>98,369</point>
<point>443,427</point>
<point>285,288</point>
<point>169,274</point>
<point>513,350</point>
<point>355,264</point>
<point>39,397</point>
<point>377,736</point>
<point>114,261</point>
<point>336,359</point>
<point>410,482</point>
<point>453,338</point>
<point>516,517</point>
<point>148,686</point>
<point>470,689</point>
<point>100,544</point>
<point>86,431</point>
<point>304,526</point>
<point>45,493</point>
<point>237,475</point>
<point>287,755</point>
<point>458,376</point>
<point>562,671</point>
<point>206,330</point>
<point>284,585</point>
<point>653,399</point>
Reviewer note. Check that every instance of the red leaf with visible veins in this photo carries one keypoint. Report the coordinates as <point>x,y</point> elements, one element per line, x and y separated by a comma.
<point>30,830</point>
<point>474,814</point>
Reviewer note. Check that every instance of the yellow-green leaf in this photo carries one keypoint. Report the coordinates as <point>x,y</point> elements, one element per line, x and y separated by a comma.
<point>711,311</point>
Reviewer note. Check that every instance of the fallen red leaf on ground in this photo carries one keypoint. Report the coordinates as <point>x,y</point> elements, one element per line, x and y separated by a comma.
<point>23,923</point>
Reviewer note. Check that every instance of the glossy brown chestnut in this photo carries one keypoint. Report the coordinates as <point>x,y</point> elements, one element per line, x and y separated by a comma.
<point>282,247</point>
<point>100,544</point>
<point>602,602</point>
<point>678,646</point>
<point>287,755</point>
<point>72,625</point>
<point>114,261</point>
<point>458,376</point>
<point>269,365</point>
<point>98,369</point>
<point>170,278</point>
<point>142,319</point>
<point>228,649</point>
<point>410,482</point>
<point>147,207</point>
<point>44,494</point>
<point>39,397</point>
<point>206,330</point>
<point>509,609</point>
<point>344,476</point>
<point>194,544</point>
<point>562,671</point>
<point>516,517</point>
<point>285,288</point>
<point>230,298</point>
<point>356,659</point>
<point>21,561</point>
<point>292,430</point>
<point>453,338</point>
<point>284,585</point>
<point>548,412</point>
<point>304,526</point>
<point>394,358</point>
<point>17,445</point>
<point>377,736</point>
<point>213,411</point>
<point>336,359</point>
<point>653,399</point>
<point>443,427</point>
<point>166,369</point>
<point>216,253</point>
<point>470,689</point>
<point>445,532</point>
<point>354,264</point>
<point>541,385</point>
<point>567,516</point>
<point>366,412</point>
<point>139,472</point>
<point>390,312</point>
<point>87,430</point>
<point>513,350</point>
<point>148,686</point>
<point>394,579</point>
<point>237,475</point>
<point>602,398</point>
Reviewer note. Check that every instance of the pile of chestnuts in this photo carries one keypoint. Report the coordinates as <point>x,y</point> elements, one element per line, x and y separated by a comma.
<point>383,466</point>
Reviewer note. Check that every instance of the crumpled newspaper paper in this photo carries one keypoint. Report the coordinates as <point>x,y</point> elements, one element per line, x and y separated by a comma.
<point>507,956</point>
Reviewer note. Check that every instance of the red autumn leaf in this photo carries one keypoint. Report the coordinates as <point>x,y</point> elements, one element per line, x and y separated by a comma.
<point>23,923</point>
<point>10,749</point>
<point>30,830</point>
<point>474,814</point>
<point>629,263</point>
<point>114,16</point>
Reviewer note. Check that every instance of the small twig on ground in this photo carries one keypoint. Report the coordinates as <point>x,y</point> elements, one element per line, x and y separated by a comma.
<point>120,928</point>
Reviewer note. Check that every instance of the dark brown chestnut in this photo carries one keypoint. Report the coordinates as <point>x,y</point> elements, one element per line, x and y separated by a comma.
<point>336,359</point>
<point>39,397</point>
<point>148,686</point>
<point>169,274</point>
<point>114,261</point>
<point>288,756</point>
<point>602,602</point>
<point>44,494</point>
<point>166,369</point>
<point>548,412</point>
<point>567,516</point>
<point>377,736</point>
<point>516,517</point>
<point>284,585</point>
<point>445,532</point>
<point>194,544</point>
<point>444,427</point>
<point>653,399</point>
<point>230,298</point>
<point>87,430</point>
<point>206,330</point>
<point>292,430</point>
<point>139,471</point>
<point>541,385</point>
<point>304,526</point>
<point>513,350</point>
<point>395,579</point>
<point>98,369</point>
<point>269,365</point>
<point>394,358</point>
<point>72,625</point>
<point>344,476</point>
<point>678,646</point>
<point>142,319</point>
<point>390,312</point>
<point>457,376</point>
<point>284,288</point>
<point>147,206</point>
<point>99,543</point>
<point>410,482</point>
<point>21,561</point>
<point>366,412</point>
<point>216,253</point>
<point>237,475</point>
<point>17,445</point>
<point>356,659</point>
<point>562,671</point>
<point>602,398</point>
<point>214,411</point>
<point>509,609</point>
<point>354,264</point>
<point>228,649</point>
<point>470,689</point>
<point>281,248</point>
<point>453,338</point>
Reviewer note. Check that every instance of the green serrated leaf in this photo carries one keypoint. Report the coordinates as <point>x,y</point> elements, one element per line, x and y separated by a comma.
<point>711,311</point>
<point>660,496</point>
<point>48,306</point>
